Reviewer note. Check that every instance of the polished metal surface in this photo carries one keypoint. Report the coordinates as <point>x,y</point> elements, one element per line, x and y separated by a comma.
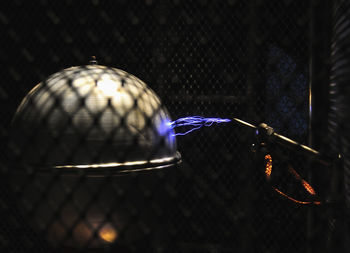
<point>77,128</point>
<point>94,118</point>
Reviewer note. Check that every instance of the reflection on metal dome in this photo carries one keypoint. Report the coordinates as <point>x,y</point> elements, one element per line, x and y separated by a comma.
<point>94,118</point>
<point>78,128</point>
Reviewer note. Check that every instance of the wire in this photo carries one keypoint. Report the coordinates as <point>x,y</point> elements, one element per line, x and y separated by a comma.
<point>304,183</point>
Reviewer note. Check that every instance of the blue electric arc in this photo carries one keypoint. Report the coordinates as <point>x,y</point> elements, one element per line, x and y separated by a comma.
<point>193,123</point>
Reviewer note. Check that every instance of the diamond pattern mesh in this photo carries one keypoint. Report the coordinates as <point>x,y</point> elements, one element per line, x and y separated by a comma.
<point>243,59</point>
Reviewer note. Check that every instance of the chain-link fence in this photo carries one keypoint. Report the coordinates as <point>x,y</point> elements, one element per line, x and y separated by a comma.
<point>90,161</point>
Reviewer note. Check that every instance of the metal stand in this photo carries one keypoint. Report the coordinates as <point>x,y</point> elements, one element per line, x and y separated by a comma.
<point>267,137</point>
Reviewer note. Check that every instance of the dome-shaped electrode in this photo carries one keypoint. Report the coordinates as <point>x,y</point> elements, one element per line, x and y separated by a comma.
<point>94,118</point>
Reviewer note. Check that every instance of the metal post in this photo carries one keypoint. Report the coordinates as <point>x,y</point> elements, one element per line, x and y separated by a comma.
<point>319,48</point>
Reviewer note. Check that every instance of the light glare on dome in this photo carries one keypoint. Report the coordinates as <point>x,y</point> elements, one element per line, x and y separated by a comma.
<point>109,88</point>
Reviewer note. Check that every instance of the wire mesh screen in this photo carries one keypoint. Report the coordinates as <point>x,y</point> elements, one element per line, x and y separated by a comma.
<point>82,169</point>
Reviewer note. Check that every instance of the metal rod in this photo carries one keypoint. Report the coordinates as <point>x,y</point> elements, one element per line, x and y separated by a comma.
<point>271,136</point>
<point>241,122</point>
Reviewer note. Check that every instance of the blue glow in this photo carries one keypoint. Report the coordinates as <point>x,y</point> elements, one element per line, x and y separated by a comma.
<point>195,123</point>
<point>165,129</point>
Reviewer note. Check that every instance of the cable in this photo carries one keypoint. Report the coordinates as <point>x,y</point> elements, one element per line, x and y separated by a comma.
<point>310,190</point>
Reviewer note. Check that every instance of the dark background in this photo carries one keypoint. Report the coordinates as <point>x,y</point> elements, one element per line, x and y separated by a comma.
<point>244,59</point>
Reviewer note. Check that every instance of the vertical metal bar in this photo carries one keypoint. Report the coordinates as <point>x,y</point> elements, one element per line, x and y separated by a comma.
<point>319,48</point>
<point>311,34</point>
<point>309,219</point>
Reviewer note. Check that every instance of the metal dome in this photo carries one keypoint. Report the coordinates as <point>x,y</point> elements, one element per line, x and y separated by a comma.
<point>94,118</point>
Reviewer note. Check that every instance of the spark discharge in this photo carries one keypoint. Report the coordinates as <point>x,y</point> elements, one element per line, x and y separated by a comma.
<point>193,123</point>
